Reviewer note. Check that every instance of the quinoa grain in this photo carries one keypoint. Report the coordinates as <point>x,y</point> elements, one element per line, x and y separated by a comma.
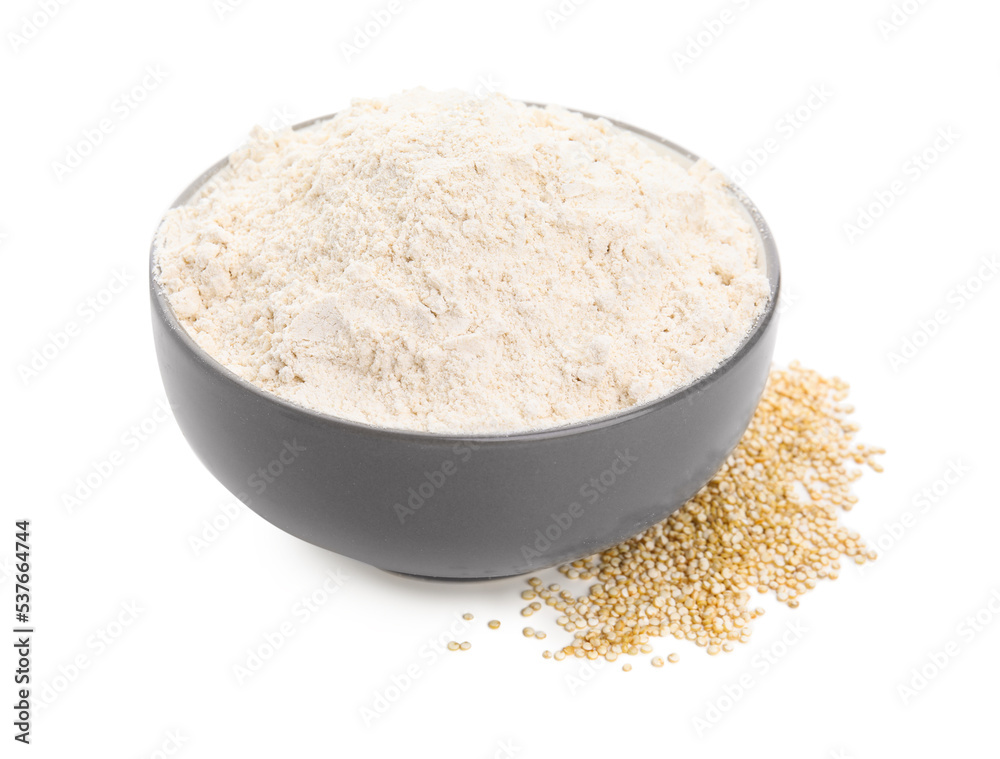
<point>690,576</point>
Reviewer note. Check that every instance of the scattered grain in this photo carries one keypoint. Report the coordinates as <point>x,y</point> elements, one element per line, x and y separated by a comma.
<point>748,528</point>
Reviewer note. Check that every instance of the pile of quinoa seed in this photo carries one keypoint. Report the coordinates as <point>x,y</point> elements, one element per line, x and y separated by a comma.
<point>767,521</point>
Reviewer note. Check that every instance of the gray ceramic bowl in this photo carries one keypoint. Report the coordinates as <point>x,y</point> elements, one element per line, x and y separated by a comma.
<point>463,507</point>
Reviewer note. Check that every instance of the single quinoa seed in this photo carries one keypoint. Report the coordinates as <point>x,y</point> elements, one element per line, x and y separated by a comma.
<point>467,616</point>
<point>674,658</point>
<point>528,632</point>
<point>453,645</point>
<point>656,661</point>
<point>750,528</point>
<point>626,667</point>
<point>494,624</point>
<point>465,646</point>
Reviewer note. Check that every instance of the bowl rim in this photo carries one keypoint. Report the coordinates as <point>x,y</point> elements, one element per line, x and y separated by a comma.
<point>165,312</point>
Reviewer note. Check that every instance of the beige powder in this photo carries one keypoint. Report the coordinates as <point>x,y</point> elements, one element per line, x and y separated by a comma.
<point>442,262</point>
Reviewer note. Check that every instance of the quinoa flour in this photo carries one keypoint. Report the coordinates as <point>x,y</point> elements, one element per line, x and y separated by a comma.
<point>448,263</point>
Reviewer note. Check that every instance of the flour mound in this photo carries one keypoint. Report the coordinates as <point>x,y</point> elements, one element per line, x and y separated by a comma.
<point>455,264</point>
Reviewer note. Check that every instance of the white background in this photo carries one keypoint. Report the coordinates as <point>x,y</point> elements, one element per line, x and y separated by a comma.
<point>167,677</point>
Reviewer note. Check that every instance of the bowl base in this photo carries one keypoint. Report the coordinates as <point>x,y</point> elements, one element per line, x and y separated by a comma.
<point>428,578</point>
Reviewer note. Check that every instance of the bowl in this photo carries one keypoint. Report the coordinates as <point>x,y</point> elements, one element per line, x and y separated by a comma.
<point>463,507</point>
